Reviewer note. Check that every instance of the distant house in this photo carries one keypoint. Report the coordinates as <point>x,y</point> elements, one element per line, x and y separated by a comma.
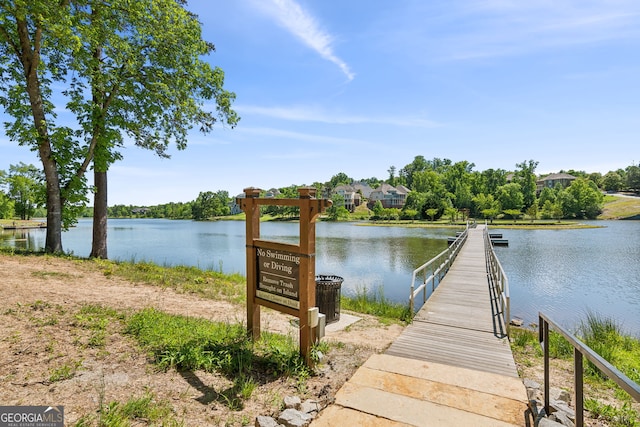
<point>351,196</point>
<point>550,181</point>
<point>389,196</point>
<point>362,188</point>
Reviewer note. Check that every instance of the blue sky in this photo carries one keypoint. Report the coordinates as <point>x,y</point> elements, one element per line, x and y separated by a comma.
<point>358,86</point>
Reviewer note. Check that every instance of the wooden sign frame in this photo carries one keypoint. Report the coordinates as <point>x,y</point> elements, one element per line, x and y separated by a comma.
<point>282,276</point>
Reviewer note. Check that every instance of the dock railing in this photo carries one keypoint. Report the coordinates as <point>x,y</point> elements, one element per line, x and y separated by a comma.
<point>580,351</point>
<point>434,270</point>
<point>498,280</point>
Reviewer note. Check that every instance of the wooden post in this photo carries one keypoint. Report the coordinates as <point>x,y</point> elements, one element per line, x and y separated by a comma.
<point>252,210</point>
<point>307,270</point>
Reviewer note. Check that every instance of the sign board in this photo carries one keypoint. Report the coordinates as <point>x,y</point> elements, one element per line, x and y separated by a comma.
<point>282,276</point>
<point>278,277</point>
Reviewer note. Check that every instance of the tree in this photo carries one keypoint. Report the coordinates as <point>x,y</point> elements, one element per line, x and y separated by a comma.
<point>378,209</point>
<point>513,213</point>
<point>210,204</point>
<point>457,181</point>
<point>633,178</point>
<point>25,187</point>
<point>486,205</point>
<point>129,68</point>
<point>612,181</point>
<point>338,179</point>
<point>419,164</point>
<point>141,62</point>
<point>547,194</point>
<point>510,196</point>
<point>583,199</point>
<point>337,210</point>
<point>392,176</point>
<point>526,177</point>
<point>36,42</point>
<point>489,180</point>
<point>6,207</point>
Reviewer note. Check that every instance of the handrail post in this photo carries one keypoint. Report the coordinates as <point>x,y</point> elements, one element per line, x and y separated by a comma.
<point>544,338</point>
<point>411,305</point>
<point>578,386</point>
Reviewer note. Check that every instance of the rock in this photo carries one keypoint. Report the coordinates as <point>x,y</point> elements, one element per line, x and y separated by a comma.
<point>563,419</point>
<point>563,407</point>
<point>310,407</point>
<point>294,418</point>
<point>559,395</point>
<point>516,321</point>
<point>292,402</point>
<point>262,421</point>
<point>546,422</point>
<point>533,388</point>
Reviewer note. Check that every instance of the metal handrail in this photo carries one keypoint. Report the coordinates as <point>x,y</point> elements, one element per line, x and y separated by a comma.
<point>498,279</point>
<point>444,260</point>
<point>580,350</point>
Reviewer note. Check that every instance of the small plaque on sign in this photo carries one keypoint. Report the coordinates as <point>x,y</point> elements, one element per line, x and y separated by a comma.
<point>278,277</point>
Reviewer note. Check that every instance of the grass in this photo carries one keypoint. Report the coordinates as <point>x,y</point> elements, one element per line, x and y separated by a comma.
<point>189,344</point>
<point>208,284</point>
<point>144,410</point>
<point>620,207</point>
<point>375,303</point>
<point>64,371</point>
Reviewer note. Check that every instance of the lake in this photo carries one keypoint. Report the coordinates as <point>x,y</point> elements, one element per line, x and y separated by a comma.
<point>564,273</point>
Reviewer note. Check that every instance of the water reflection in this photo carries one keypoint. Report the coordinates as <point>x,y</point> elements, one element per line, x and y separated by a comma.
<point>25,239</point>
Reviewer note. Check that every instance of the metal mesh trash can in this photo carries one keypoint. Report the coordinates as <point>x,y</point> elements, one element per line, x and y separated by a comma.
<point>328,296</point>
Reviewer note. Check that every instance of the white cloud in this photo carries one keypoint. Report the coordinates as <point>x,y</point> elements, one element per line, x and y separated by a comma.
<point>316,114</point>
<point>305,27</point>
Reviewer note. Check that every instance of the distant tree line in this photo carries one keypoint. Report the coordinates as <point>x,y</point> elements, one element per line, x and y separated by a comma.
<point>437,188</point>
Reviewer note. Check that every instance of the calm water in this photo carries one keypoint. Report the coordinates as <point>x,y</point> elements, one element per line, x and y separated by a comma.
<point>566,273</point>
<point>562,272</point>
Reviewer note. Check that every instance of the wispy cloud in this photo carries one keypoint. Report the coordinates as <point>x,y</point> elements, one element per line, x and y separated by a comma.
<point>508,27</point>
<point>468,29</point>
<point>316,114</point>
<point>305,137</point>
<point>305,27</point>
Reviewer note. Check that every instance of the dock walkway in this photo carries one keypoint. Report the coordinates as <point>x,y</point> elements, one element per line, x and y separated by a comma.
<point>452,366</point>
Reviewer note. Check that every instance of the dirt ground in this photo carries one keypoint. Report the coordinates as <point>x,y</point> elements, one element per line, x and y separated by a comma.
<point>45,359</point>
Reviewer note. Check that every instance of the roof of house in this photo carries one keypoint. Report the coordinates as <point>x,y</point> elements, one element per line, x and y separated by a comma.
<point>557,176</point>
<point>387,188</point>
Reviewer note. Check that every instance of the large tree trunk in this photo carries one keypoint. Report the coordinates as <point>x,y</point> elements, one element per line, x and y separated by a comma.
<point>99,244</point>
<point>30,59</point>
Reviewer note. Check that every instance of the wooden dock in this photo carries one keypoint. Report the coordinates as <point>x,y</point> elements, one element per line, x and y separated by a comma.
<point>459,325</point>
<point>452,366</point>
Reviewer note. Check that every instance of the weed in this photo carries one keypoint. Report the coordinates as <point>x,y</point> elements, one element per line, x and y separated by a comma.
<point>64,372</point>
<point>624,416</point>
<point>523,337</point>
<point>39,305</point>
